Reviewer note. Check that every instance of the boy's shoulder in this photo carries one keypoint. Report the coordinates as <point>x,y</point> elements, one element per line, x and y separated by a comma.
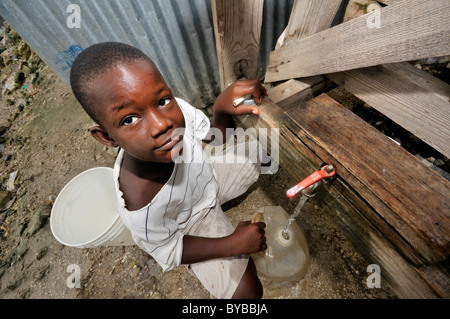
<point>138,192</point>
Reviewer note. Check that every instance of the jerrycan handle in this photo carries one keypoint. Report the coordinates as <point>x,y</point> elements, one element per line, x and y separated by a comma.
<point>326,171</point>
<point>257,217</point>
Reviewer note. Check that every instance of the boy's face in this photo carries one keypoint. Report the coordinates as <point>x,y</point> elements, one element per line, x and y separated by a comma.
<point>138,112</point>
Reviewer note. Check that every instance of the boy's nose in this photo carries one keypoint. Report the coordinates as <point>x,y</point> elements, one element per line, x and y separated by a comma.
<point>159,124</point>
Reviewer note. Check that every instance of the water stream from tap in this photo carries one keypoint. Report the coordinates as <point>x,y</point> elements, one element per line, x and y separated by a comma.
<point>297,211</point>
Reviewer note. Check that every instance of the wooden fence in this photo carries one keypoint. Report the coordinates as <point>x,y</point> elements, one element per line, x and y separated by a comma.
<point>393,208</point>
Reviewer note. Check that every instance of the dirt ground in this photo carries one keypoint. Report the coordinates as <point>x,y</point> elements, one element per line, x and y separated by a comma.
<point>44,138</point>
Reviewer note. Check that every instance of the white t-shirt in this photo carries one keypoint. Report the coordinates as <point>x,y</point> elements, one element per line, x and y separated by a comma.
<point>159,227</point>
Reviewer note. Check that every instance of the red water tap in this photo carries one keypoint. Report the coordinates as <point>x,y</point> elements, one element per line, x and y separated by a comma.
<point>326,171</point>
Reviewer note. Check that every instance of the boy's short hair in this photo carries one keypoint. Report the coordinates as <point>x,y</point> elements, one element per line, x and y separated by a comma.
<point>94,62</point>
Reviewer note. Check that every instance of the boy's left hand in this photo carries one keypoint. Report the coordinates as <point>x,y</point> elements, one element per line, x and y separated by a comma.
<point>240,88</point>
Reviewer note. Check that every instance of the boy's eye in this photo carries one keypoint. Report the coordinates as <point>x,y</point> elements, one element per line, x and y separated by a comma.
<point>164,102</point>
<point>129,120</point>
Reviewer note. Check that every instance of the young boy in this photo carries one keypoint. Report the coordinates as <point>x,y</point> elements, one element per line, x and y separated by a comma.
<point>169,190</point>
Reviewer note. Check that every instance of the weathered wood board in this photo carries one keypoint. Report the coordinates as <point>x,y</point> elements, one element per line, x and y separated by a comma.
<point>408,30</point>
<point>414,99</point>
<point>412,198</point>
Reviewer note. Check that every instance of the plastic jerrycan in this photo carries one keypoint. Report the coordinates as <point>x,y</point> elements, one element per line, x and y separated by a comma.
<point>286,256</point>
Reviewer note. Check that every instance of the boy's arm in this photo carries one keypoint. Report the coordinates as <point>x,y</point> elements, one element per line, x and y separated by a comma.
<point>247,238</point>
<point>224,109</point>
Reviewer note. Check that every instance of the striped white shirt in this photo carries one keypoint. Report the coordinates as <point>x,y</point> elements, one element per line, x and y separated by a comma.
<point>159,227</point>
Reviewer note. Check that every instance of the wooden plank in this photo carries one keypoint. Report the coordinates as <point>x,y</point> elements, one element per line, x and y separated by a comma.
<point>352,206</point>
<point>297,90</point>
<point>412,98</point>
<point>438,277</point>
<point>350,215</point>
<point>409,30</point>
<point>426,81</point>
<point>237,28</point>
<point>346,208</point>
<point>309,17</point>
<point>407,96</point>
<point>412,198</point>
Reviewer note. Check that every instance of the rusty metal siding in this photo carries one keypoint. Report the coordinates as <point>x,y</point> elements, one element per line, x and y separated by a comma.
<point>177,34</point>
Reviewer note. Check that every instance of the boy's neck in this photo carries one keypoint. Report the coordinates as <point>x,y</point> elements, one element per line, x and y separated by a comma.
<point>153,171</point>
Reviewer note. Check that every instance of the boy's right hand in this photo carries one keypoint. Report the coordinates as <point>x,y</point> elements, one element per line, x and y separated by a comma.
<point>248,238</point>
<point>238,89</point>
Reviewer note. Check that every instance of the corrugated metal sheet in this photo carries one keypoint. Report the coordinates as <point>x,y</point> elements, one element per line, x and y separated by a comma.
<point>177,34</point>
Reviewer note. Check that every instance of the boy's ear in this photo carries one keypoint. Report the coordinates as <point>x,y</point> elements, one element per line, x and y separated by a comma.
<point>102,136</point>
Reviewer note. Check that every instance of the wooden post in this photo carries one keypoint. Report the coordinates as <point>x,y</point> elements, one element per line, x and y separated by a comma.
<point>237,28</point>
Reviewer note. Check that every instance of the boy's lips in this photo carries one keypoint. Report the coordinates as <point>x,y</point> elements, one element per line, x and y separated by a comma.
<point>168,145</point>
